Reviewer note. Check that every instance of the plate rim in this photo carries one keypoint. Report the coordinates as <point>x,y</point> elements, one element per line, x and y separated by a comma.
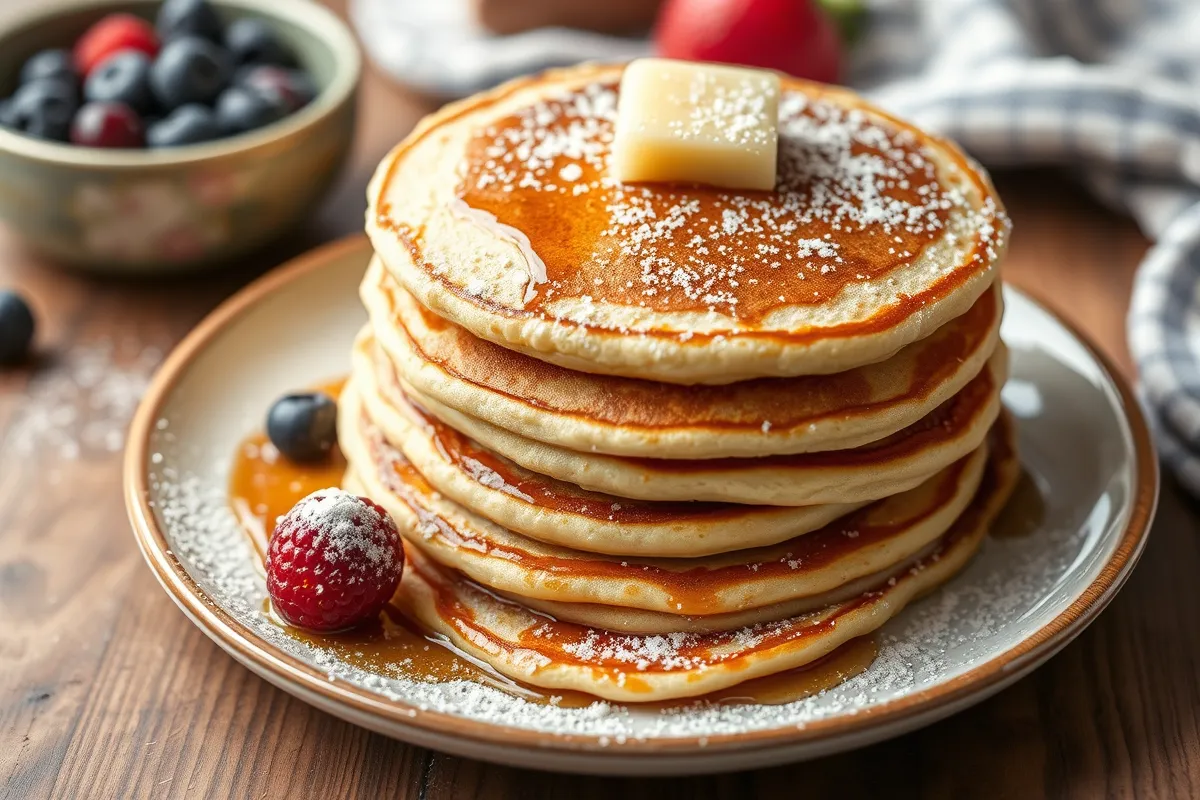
<point>401,716</point>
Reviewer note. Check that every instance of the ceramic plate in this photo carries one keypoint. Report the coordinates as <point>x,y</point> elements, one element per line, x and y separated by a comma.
<point>1087,503</point>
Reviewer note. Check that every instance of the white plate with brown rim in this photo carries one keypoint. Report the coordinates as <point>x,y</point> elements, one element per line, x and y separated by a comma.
<point>1085,509</point>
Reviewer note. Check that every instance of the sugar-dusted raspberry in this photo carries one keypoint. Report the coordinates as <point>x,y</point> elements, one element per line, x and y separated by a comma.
<point>334,561</point>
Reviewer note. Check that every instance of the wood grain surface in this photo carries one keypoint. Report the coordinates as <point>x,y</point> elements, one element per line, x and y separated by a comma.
<point>107,691</point>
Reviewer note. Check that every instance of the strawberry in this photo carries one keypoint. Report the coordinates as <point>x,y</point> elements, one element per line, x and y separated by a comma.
<point>793,36</point>
<point>113,33</point>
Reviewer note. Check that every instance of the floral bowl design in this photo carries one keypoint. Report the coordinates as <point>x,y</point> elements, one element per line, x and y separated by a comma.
<point>157,211</point>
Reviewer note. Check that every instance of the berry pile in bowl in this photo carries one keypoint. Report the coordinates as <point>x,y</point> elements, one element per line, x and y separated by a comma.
<point>187,78</point>
<point>143,136</point>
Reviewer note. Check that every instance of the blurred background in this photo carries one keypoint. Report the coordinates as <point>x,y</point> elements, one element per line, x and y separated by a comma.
<point>1086,111</point>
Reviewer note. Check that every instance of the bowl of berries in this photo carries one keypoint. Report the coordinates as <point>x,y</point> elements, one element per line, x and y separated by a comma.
<point>142,136</point>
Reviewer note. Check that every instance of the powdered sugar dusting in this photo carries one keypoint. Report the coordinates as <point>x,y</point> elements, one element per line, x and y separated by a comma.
<point>345,529</point>
<point>84,404</point>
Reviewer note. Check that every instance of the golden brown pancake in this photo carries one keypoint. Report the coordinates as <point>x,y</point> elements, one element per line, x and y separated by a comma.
<point>622,416</point>
<point>869,472</point>
<point>562,513</point>
<point>535,648</point>
<point>500,214</point>
<point>868,541</point>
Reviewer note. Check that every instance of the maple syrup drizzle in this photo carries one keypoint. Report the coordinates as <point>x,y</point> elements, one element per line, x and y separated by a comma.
<point>979,257</point>
<point>265,486</point>
<point>572,233</point>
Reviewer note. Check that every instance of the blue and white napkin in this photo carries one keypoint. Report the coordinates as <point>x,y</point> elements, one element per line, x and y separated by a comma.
<point>1110,88</point>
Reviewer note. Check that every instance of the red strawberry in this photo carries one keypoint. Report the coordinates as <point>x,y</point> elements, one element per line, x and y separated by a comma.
<point>334,561</point>
<point>112,33</point>
<point>792,36</point>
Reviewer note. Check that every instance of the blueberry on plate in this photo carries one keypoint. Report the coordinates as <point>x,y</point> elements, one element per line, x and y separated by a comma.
<point>43,109</point>
<point>303,426</point>
<point>16,327</point>
<point>123,77</point>
<point>189,70</point>
<point>241,109</point>
<point>178,18</point>
<point>55,64</point>
<point>190,124</point>
<point>253,41</point>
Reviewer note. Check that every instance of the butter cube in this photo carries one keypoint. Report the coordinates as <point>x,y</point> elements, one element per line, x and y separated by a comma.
<point>684,122</point>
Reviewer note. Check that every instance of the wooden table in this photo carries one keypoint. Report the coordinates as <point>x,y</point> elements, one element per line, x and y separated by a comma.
<point>106,690</point>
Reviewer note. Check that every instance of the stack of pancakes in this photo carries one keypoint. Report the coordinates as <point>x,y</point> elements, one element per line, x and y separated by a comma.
<point>649,442</point>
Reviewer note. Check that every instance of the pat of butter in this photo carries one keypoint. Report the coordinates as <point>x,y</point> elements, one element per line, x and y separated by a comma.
<point>683,122</point>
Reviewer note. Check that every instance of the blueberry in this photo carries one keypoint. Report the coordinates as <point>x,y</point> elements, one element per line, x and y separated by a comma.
<point>189,70</point>
<point>303,426</point>
<point>44,109</point>
<point>253,41</point>
<point>123,77</point>
<point>49,64</point>
<point>16,327</point>
<point>188,124</point>
<point>178,18</point>
<point>241,109</point>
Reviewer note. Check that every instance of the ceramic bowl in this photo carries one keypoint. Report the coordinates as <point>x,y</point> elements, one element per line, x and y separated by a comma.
<point>158,211</point>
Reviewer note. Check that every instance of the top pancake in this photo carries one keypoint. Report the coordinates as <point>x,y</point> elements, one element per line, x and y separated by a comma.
<point>499,213</point>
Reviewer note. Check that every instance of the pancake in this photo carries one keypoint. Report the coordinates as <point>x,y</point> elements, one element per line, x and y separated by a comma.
<point>499,213</point>
<point>880,469</point>
<point>627,417</point>
<point>871,540</point>
<point>560,513</point>
<point>554,654</point>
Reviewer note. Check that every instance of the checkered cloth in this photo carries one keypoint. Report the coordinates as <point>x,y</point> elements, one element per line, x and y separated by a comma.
<point>1107,88</point>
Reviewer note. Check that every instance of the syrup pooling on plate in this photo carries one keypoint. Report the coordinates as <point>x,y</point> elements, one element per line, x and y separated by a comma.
<point>1025,513</point>
<point>264,485</point>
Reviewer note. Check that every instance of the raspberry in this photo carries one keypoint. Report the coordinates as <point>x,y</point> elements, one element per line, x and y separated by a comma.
<point>334,561</point>
<point>111,34</point>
